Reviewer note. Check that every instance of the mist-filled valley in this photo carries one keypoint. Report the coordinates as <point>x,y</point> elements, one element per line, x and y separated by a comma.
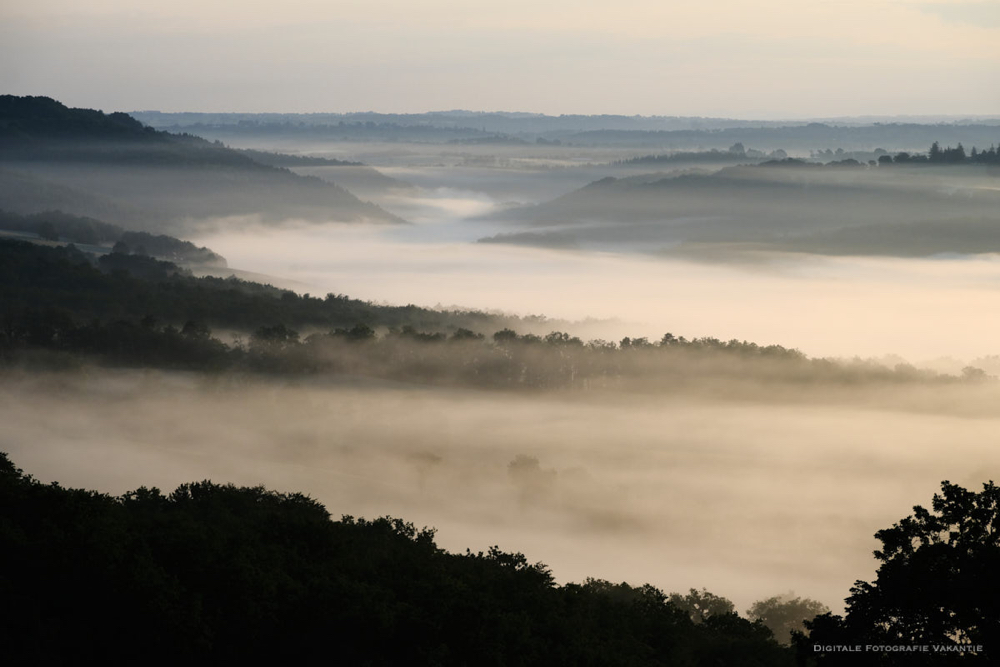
<point>779,488</point>
<point>716,355</point>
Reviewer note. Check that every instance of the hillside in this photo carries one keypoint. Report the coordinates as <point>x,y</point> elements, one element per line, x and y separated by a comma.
<point>81,287</point>
<point>777,205</point>
<point>146,179</point>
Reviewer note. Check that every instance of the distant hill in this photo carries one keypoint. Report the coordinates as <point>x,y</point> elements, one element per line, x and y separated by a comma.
<point>844,208</point>
<point>664,133</point>
<point>85,287</point>
<point>146,179</point>
<point>798,137</point>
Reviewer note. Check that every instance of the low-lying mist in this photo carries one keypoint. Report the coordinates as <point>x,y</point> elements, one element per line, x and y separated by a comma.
<point>749,498</point>
<point>921,309</point>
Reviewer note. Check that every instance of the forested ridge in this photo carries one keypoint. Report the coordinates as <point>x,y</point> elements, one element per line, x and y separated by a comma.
<point>120,285</point>
<point>60,306</point>
<point>40,128</point>
<point>59,226</point>
<point>113,167</point>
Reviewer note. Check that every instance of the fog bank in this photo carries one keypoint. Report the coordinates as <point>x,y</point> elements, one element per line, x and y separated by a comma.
<point>746,499</point>
<point>841,306</point>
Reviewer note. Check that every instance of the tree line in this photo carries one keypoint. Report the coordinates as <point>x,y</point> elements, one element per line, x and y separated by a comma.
<point>506,360</point>
<point>134,310</point>
<point>947,155</point>
<point>219,572</point>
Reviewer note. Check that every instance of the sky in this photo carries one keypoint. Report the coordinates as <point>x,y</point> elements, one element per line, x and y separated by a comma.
<point>727,58</point>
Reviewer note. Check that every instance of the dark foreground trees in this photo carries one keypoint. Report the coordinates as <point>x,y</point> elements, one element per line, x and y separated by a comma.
<point>250,576</point>
<point>938,586</point>
<point>213,572</point>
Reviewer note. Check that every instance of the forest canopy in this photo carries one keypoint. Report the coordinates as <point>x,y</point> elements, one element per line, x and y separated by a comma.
<point>248,574</point>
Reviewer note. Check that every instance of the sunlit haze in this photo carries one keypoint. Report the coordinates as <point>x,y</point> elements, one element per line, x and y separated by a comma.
<point>730,58</point>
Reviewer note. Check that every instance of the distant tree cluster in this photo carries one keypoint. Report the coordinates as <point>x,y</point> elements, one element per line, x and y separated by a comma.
<point>947,155</point>
<point>735,152</point>
<point>247,575</point>
<point>285,160</point>
<point>786,615</point>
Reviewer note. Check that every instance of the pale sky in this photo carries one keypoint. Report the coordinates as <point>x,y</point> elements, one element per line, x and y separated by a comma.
<point>732,58</point>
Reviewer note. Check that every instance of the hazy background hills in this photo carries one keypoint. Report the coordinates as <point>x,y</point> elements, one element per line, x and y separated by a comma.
<point>630,132</point>
<point>115,168</point>
<point>846,209</point>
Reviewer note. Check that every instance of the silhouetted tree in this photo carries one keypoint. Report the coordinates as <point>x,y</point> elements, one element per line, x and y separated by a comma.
<point>954,552</point>
<point>938,582</point>
<point>935,155</point>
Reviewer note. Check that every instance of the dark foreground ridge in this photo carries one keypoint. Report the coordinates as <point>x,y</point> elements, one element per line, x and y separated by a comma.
<point>218,572</point>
